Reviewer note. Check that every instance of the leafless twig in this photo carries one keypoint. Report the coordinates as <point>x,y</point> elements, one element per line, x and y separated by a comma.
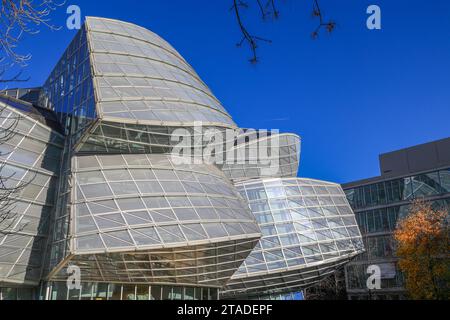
<point>268,8</point>
<point>19,17</point>
<point>10,185</point>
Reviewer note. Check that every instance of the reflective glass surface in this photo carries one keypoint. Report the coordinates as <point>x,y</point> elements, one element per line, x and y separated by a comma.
<point>29,161</point>
<point>307,225</point>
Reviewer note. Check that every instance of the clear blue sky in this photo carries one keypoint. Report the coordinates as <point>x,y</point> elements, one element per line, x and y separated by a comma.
<point>351,96</point>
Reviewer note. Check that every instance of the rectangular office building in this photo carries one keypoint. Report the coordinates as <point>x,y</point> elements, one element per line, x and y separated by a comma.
<point>421,171</point>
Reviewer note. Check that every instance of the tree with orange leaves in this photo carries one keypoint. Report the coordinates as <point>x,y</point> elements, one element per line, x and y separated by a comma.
<point>423,249</point>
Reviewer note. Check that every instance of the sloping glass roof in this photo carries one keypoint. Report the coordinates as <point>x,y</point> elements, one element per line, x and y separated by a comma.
<point>308,228</point>
<point>140,78</point>
<point>131,202</point>
<point>42,115</point>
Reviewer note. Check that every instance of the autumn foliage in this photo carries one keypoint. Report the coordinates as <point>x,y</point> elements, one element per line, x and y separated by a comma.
<point>423,249</point>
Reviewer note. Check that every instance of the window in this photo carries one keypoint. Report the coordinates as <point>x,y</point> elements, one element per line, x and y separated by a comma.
<point>114,292</point>
<point>155,292</point>
<point>117,175</point>
<point>445,180</point>
<point>256,194</point>
<point>426,184</point>
<point>215,230</point>
<point>121,188</point>
<point>129,292</point>
<point>177,293</point>
<point>189,293</point>
<point>100,291</point>
<point>275,192</point>
<point>142,292</point>
<point>86,291</point>
<point>289,239</point>
<point>96,190</point>
<point>90,177</point>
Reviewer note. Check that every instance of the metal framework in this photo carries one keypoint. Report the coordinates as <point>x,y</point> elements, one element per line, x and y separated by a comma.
<point>139,222</point>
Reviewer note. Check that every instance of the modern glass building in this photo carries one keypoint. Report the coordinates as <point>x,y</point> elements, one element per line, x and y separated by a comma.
<point>106,191</point>
<point>420,172</point>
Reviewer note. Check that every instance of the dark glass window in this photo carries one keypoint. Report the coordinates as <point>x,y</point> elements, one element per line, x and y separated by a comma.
<point>142,292</point>
<point>100,291</point>
<point>177,293</point>
<point>11,294</point>
<point>444,176</point>
<point>86,291</point>
<point>115,292</point>
<point>74,294</point>
<point>426,184</point>
<point>129,292</point>
<point>370,222</point>
<point>381,193</point>
<point>155,293</point>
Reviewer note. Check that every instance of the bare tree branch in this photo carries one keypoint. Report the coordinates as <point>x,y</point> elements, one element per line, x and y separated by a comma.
<point>10,186</point>
<point>250,39</point>
<point>329,25</point>
<point>19,17</point>
<point>268,8</point>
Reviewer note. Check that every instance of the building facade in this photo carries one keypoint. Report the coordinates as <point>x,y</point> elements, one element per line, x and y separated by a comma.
<point>420,172</point>
<point>156,193</point>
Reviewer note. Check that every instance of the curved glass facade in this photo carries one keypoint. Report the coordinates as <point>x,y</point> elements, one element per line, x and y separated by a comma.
<point>142,220</point>
<point>140,78</point>
<point>29,162</point>
<point>152,198</point>
<point>308,230</point>
<point>282,160</point>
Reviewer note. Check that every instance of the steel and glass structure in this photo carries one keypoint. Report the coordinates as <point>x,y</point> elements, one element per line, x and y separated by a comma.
<point>419,172</point>
<point>30,155</point>
<point>308,231</point>
<point>138,219</point>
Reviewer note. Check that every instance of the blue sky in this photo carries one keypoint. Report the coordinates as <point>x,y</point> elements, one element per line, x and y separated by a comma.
<point>351,96</point>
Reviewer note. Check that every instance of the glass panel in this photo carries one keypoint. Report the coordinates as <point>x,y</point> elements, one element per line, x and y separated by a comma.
<point>25,294</point>
<point>256,194</point>
<point>426,184</point>
<point>198,294</point>
<point>177,293</point>
<point>11,294</point>
<point>59,291</point>
<point>74,294</point>
<point>142,292</point>
<point>86,291</point>
<point>166,293</point>
<point>155,293</point>
<point>445,180</point>
<point>115,292</point>
<point>189,293</point>
<point>100,291</point>
<point>205,294</point>
<point>215,230</point>
<point>90,177</point>
<point>129,292</point>
<point>96,190</point>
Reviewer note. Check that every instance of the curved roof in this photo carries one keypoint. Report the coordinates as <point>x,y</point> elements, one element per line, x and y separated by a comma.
<point>274,155</point>
<point>307,226</point>
<point>179,221</point>
<point>131,202</point>
<point>140,78</point>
